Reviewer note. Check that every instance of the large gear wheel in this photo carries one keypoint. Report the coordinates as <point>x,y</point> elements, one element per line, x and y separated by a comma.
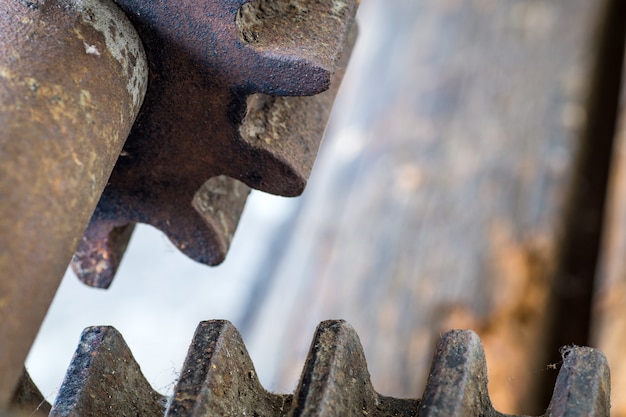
<point>224,106</point>
<point>218,379</point>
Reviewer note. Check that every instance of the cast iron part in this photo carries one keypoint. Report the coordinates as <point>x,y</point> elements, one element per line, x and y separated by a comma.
<point>218,379</point>
<point>225,101</point>
<point>73,74</point>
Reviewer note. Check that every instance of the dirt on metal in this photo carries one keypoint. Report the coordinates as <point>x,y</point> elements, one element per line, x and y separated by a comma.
<point>216,105</point>
<point>72,78</point>
<point>218,379</point>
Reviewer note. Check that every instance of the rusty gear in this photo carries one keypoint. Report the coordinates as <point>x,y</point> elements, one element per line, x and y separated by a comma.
<point>224,104</point>
<point>218,378</point>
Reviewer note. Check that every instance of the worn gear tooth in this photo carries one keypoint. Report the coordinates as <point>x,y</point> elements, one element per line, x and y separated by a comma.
<point>193,124</point>
<point>28,400</point>
<point>303,40</point>
<point>219,202</point>
<point>457,383</point>
<point>100,252</point>
<point>203,230</point>
<point>218,378</point>
<point>103,379</point>
<point>335,380</point>
<point>286,133</point>
<point>584,375</point>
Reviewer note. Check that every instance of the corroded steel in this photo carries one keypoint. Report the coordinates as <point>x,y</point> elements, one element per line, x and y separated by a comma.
<point>104,380</point>
<point>583,385</point>
<point>217,105</point>
<point>28,400</point>
<point>457,383</point>
<point>72,78</point>
<point>218,378</point>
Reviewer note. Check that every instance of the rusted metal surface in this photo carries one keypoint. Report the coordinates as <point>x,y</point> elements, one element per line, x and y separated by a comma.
<point>218,379</point>
<point>336,382</point>
<point>104,380</point>
<point>457,384</point>
<point>219,71</point>
<point>583,386</point>
<point>28,400</point>
<point>72,78</point>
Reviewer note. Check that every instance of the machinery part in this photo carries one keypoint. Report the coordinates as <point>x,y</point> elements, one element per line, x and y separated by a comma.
<point>218,378</point>
<point>220,74</point>
<point>64,117</point>
<point>28,400</point>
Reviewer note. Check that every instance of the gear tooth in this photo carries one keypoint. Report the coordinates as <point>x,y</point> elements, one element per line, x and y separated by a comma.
<point>584,374</point>
<point>457,382</point>
<point>103,379</point>
<point>218,350</point>
<point>302,41</point>
<point>100,252</point>
<point>335,377</point>
<point>200,240</point>
<point>203,230</point>
<point>286,75</point>
<point>220,202</point>
<point>218,378</point>
<point>27,398</point>
<point>190,125</point>
<point>285,133</point>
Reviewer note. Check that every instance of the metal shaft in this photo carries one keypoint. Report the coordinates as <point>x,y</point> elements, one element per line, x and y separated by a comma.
<point>73,75</point>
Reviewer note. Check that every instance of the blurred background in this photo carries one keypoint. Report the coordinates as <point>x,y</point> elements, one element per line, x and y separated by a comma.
<point>441,198</point>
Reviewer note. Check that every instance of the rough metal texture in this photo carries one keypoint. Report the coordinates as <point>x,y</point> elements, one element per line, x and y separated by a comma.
<point>64,116</point>
<point>104,380</point>
<point>216,109</point>
<point>27,399</point>
<point>218,379</point>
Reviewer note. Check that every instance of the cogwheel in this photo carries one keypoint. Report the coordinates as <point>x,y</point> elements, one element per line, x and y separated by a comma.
<point>218,378</point>
<point>228,107</point>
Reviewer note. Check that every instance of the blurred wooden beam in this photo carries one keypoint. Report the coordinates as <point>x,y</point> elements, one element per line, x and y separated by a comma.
<point>609,314</point>
<point>441,202</point>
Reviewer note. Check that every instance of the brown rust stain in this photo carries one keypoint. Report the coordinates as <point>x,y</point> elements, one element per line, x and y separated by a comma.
<point>60,134</point>
<point>212,109</point>
<point>512,326</point>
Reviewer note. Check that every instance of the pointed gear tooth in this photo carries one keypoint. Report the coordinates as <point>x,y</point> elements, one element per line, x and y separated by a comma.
<point>217,350</point>
<point>219,378</point>
<point>584,374</point>
<point>457,382</point>
<point>104,379</point>
<point>335,376</point>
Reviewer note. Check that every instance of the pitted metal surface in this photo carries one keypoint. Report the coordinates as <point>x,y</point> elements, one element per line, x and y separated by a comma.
<point>218,378</point>
<point>74,74</point>
<point>217,105</point>
<point>72,78</point>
